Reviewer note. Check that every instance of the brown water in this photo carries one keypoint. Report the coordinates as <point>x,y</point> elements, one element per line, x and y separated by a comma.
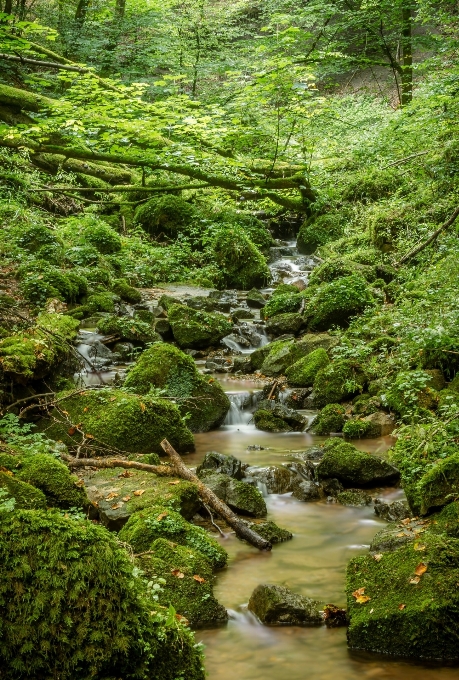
<point>326,536</point>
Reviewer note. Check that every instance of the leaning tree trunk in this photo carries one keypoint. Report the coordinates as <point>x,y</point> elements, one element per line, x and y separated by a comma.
<point>407,56</point>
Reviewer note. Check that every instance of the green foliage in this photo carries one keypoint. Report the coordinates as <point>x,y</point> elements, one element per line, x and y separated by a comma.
<point>282,303</point>
<point>410,395</point>
<point>317,232</point>
<point>338,381</point>
<point>126,292</point>
<point>303,372</point>
<point>356,429</point>
<point>166,215</point>
<point>330,419</point>
<point>242,264</point>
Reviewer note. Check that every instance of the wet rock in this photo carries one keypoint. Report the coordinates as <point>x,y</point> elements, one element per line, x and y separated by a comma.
<point>284,323</point>
<point>167,301</point>
<point>297,397</point>
<point>242,313</point>
<point>335,617</point>
<point>306,491</point>
<point>392,511</point>
<point>356,468</point>
<point>219,364</point>
<point>332,487</point>
<point>163,327</point>
<point>303,470</point>
<point>124,349</point>
<point>242,364</point>
<point>241,497</point>
<point>311,453</point>
<point>279,606</point>
<point>275,479</point>
<point>275,358</point>
<point>255,299</point>
<point>236,340</point>
<point>271,532</point>
<point>380,425</point>
<point>272,416</point>
<point>250,333</point>
<point>330,419</point>
<point>220,462</point>
<point>354,498</point>
<point>194,329</point>
<point>391,538</point>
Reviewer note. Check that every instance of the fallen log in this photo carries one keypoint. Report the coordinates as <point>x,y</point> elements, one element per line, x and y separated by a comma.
<point>179,469</point>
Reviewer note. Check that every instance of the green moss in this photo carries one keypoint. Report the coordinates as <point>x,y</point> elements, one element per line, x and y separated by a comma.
<point>242,264</point>
<point>120,421</point>
<point>72,606</point>
<point>371,185</point>
<point>129,329</point>
<point>40,281</point>
<point>282,304</point>
<point>337,268</point>
<point>26,496</point>
<point>35,237</point>
<point>330,419</point>
<point>402,617</point>
<point>336,302</point>
<point>144,527</point>
<point>196,329</point>
<point>165,366</point>
<point>268,422</point>
<point>242,497</point>
<point>440,485</point>
<point>126,292</point>
<point>166,215</point>
<point>273,358</point>
<point>338,381</point>
<point>100,235</point>
<point>271,532</point>
<point>356,429</point>
<point>316,232</point>
<point>344,462</point>
<point>191,595</point>
<point>353,498</point>
<point>303,372</point>
<point>410,392</point>
<point>53,478</point>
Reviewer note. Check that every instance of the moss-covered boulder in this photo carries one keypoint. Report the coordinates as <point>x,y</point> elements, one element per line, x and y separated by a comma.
<point>166,367</point>
<point>119,493</point>
<point>241,263</point>
<point>275,478</point>
<point>282,324</point>
<point>279,606</point>
<point>438,487</point>
<point>315,232</point>
<point>241,497</point>
<point>126,292</point>
<point>283,303</point>
<point>356,428</point>
<point>405,602</point>
<point>411,392</point>
<point>120,421</point>
<point>145,526</point>
<point>26,496</point>
<point>352,467</point>
<point>354,498</point>
<point>336,302</point>
<point>30,354</point>
<point>267,422</point>
<point>272,416</point>
<point>53,478</point>
<point>304,371</point>
<point>183,578</point>
<point>330,419</point>
<point>270,531</point>
<point>275,357</point>
<point>66,584</point>
<point>255,299</point>
<point>338,381</point>
<point>127,328</point>
<point>194,329</point>
<point>166,215</point>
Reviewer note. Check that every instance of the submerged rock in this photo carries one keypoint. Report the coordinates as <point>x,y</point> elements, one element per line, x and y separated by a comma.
<point>276,479</point>
<point>241,497</point>
<point>279,606</point>
<point>352,467</point>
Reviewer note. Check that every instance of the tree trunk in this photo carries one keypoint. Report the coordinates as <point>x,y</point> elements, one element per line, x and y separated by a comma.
<point>120,9</point>
<point>407,57</point>
<point>81,12</point>
<point>8,7</point>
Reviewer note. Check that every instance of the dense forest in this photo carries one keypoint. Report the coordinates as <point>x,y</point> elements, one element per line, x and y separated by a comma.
<point>229,274</point>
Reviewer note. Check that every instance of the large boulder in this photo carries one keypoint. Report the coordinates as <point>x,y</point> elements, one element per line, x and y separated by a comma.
<point>279,606</point>
<point>241,264</point>
<point>26,496</point>
<point>221,462</point>
<point>306,490</point>
<point>195,329</point>
<point>242,497</point>
<point>72,582</point>
<point>284,323</point>
<point>117,420</point>
<point>303,372</point>
<point>166,215</point>
<point>125,328</point>
<point>353,467</point>
<point>255,299</point>
<point>380,424</point>
<point>335,303</point>
<point>166,367</point>
<point>338,381</point>
<point>276,358</point>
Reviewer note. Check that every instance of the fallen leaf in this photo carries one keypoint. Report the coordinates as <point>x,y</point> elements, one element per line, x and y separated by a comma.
<point>406,521</point>
<point>415,580</point>
<point>126,499</point>
<point>199,579</point>
<point>177,481</point>
<point>5,471</point>
<point>182,619</point>
<point>401,534</point>
<point>86,409</point>
<point>139,492</point>
<point>419,547</point>
<point>142,406</point>
<point>89,436</point>
<point>363,599</point>
<point>177,573</point>
<point>420,569</point>
<point>402,606</point>
<point>113,399</point>
<point>71,431</point>
<point>378,558</point>
<point>161,516</point>
<point>358,592</point>
<point>112,495</point>
<point>117,506</point>
<point>79,483</point>
<point>66,413</point>
<point>126,473</point>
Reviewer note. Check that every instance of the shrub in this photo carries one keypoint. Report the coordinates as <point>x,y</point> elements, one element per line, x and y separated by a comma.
<point>283,303</point>
<point>371,185</point>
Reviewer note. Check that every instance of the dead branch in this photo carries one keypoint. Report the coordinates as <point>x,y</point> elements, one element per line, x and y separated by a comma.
<point>431,238</point>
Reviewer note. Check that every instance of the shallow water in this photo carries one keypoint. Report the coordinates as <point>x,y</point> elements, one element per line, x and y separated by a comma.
<point>326,536</point>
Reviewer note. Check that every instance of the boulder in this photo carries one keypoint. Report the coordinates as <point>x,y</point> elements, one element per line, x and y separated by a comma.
<point>271,532</point>
<point>355,468</point>
<point>241,497</point>
<point>331,487</point>
<point>271,414</point>
<point>338,381</point>
<point>311,453</point>
<point>276,479</point>
<point>221,462</point>
<point>241,264</point>
<point>196,329</point>
<point>61,489</point>
<point>126,328</point>
<point>266,421</point>
<point>380,425</point>
<point>335,303</point>
<point>26,496</point>
<point>284,323</point>
<point>255,299</point>
<point>391,511</point>
<point>306,490</point>
<point>242,313</point>
<point>304,371</point>
<point>354,498</point>
<point>279,606</point>
<point>166,367</point>
<point>330,419</point>
<point>275,357</point>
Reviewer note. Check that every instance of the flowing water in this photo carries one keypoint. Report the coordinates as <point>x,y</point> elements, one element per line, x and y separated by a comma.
<point>326,536</point>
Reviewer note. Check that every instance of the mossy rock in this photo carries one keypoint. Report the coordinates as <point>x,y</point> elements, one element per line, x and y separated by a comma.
<point>126,328</point>
<point>338,381</point>
<point>356,428</point>
<point>303,372</point>
<point>279,606</point>
<point>283,324</point>
<point>100,235</point>
<point>353,498</point>
<point>338,268</point>
<point>32,354</point>
<point>271,532</point>
<point>317,231</point>
<point>113,491</point>
<point>438,487</point>
<point>184,579</point>
<point>275,357</point>
<point>330,419</point>
<point>242,497</point>
<point>54,584</point>
<point>53,478</point>
<point>241,263</point>
<point>282,303</point>
<point>41,281</point>
<point>255,299</point>
<point>267,422</point>
<point>335,303</point>
<point>221,462</point>
<point>411,392</point>
<point>164,366</point>
<point>195,329</point>
<point>145,526</point>
<point>166,215</point>
<point>406,615</point>
<point>119,421</point>
<point>344,462</point>
<point>126,292</point>
<point>26,496</point>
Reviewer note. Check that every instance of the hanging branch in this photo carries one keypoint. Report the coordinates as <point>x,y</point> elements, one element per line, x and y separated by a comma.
<point>431,238</point>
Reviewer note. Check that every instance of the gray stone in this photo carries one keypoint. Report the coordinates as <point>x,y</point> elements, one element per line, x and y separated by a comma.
<point>381,424</point>
<point>303,470</point>
<point>242,313</point>
<point>220,462</point>
<point>276,479</point>
<point>296,421</point>
<point>391,538</point>
<point>392,512</point>
<point>279,606</point>
<point>332,487</point>
<point>306,491</point>
<point>255,299</point>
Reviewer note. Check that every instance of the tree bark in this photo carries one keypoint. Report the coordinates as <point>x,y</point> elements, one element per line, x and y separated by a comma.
<point>407,56</point>
<point>81,12</point>
<point>8,6</point>
<point>120,9</point>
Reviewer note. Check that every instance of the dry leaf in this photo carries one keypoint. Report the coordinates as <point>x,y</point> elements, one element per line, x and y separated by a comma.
<point>406,521</point>
<point>419,547</point>
<point>86,409</point>
<point>401,534</point>
<point>420,569</point>
<point>363,599</point>
<point>142,406</point>
<point>139,492</point>
<point>113,399</point>
<point>199,579</point>
<point>126,473</point>
<point>176,481</point>
<point>415,580</point>
<point>126,499</point>
<point>371,610</point>
<point>358,592</point>
<point>89,436</point>
<point>66,413</point>
<point>182,619</point>
<point>378,558</point>
<point>161,516</point>
<point>112,495</point>
<point>402,607</point>
<point>177,573</point>
<point>79,483</point>
<point>117,506</point>
<point>71,431</point>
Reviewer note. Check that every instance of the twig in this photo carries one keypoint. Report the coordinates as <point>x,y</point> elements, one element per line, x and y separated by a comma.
<point>212,519</point>
<point>405,160</point>
<point>431,238</point>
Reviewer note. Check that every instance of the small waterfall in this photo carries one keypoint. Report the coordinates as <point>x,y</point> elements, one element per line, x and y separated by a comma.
<point>262,487</point>
<point>239,412</point>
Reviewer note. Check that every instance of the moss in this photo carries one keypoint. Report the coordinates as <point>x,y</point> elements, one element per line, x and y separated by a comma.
<point>344,462</point>
<point>271,532</point>
<point>165,366</point>
<point>72,583</point>
<point>440,485</point>
<point>282,304</point>
<point>303,372</point>
<point>129,329</point>
<point>32,353</point>
<point>268,422</point>
<point>26,496</point>
<point>336,302</point>
<point>53,478</point>
<point>97,302</point>
<point>242,264</point>
<point>405,616</point>
<point>166,215</point>
<point>126,292</point>
<point>339,267</point>
<point>144,527</point>
<point>273,358</point>
<point>191,595</point>
<point>330,419</point>
<point>316,232</point>
<point>356,429</point>
<point>120,421</point>
<point>371,185</point>
<point>100,235</point>
<point>339,380</point>
<point>35,237</point>
<point>242,497</point>
<point>283,324</point>
<point>197,329</point>
<point>40,281</point>
<point>353,498</point>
